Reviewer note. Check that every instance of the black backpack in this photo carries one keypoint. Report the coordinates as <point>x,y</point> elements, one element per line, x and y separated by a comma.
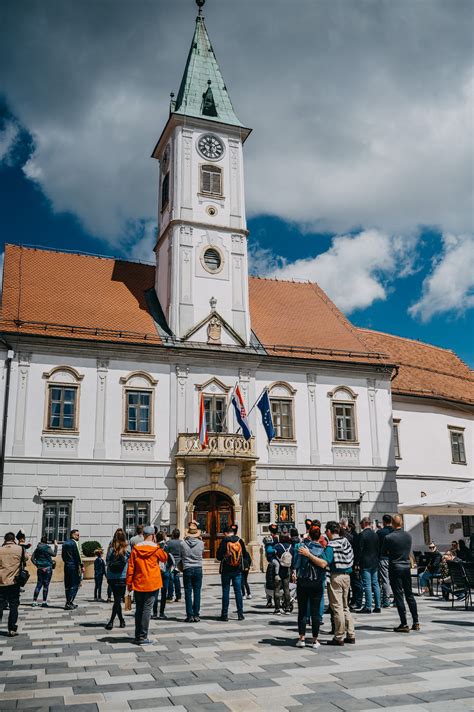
<point>117,563</point>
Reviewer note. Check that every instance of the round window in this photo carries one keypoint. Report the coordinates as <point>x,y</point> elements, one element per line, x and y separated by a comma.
<point>212,259</point>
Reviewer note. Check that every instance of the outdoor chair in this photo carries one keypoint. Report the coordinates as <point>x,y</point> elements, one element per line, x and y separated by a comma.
<point>469,572</point>
<point>459,583</point>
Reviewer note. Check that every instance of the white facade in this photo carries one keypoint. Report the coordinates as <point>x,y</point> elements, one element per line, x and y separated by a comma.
<point>426,463</point>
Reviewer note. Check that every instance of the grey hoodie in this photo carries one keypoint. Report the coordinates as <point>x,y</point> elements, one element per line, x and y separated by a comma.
<point>191,552</point>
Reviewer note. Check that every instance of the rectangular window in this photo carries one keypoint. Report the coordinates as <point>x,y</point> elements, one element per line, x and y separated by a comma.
<point>350,511</point>
<point>211,180</point>
<point>165,191</point>
<point>135,513</point>
<point>138,412</point>
<point>467,526</point>
<point>62,407</point>
<point>344,424</point>
<point>282,416</point>
<point>57,519</point>
<point>457,447</point>
<point>215,408</point>
<point>396,439</point>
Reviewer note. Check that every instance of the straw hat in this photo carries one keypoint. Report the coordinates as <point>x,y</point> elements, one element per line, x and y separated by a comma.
<point>193,530</point>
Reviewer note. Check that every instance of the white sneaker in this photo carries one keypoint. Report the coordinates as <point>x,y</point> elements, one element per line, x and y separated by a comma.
<point>277,613</point>
<point>316,645</point>
<point>286,613</point>
<point>249,596</point>
<point>301,644</point>
<point>35,604</point>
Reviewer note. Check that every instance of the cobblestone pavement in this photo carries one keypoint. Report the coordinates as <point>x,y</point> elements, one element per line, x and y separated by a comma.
<point>67,661</point>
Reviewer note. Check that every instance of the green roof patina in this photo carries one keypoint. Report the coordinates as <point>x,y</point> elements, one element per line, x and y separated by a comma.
<point>203,93</point>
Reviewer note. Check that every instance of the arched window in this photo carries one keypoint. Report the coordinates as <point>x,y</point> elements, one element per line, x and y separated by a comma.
<point>215,394</point>
<point>62,399</point>
<point>165,191</point>
<point>139,391</point>
<point>344,414</point>
<point>282,407</point>
<point>211,180</point>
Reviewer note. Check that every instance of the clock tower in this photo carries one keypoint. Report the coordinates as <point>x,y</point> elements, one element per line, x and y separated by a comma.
<point>201,251</point>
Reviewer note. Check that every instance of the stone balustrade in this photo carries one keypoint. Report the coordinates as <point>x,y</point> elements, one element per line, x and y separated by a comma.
<point>222,446</point>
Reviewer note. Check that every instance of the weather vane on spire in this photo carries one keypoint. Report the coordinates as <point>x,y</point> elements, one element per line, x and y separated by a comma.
<point>200,4</point>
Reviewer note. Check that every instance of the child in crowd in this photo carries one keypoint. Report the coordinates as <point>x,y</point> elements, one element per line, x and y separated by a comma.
<point>99,573</point>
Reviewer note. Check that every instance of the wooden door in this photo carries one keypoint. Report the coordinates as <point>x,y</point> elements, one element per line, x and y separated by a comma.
<point>213,511</point>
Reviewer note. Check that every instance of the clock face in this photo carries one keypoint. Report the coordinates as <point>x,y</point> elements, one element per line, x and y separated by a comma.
<point>210,147</point>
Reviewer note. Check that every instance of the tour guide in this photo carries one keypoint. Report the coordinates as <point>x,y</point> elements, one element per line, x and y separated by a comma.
<point>144,577</point>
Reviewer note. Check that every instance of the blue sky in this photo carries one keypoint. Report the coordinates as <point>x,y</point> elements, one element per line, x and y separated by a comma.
<point>372,128</point>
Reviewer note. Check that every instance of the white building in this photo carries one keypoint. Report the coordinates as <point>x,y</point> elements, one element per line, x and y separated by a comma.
<point>105,362</point>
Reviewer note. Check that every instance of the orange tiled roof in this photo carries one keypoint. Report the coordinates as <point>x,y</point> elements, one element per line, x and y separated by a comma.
<point>424,370</point>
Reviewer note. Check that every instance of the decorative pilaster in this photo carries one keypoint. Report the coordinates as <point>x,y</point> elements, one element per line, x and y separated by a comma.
<point>21,400</point>
<point>100,408</point>
<point>313,420</point>
<point>374,433</point>
<point>249,487</point>
<point>182,373</point>
<point>180,477</point>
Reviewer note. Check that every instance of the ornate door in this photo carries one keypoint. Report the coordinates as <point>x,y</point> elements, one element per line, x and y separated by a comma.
<point>213,511</point>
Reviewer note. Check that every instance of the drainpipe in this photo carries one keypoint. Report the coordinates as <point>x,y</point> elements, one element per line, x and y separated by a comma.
<point>6,398</point>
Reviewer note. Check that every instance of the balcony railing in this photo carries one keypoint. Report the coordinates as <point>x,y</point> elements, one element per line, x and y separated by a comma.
<point>221,446</point>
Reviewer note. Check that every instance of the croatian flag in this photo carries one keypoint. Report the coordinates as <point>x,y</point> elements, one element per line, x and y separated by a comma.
<point>203,436</point>
<point>264,407</point>
<point>240,414</point>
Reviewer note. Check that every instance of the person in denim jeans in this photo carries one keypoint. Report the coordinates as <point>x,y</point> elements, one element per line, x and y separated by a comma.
<point>43,560</point>
<point>231,573</point>
<point>192,548</point>
<point>369,558</point>
<point>173,547</point>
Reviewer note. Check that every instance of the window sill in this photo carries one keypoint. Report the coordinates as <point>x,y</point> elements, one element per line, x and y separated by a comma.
<point>346,443</point>
<point>139,436</point>
<point>458,463</point>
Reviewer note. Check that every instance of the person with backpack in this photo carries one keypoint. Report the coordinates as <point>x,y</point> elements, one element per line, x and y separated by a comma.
<point>192,549</point>
<point>231,553</point>
<point>12,559</point>
<point>283,554</point>
<point>42,558</point>
<point>310,583</point>
<point>116,560</point>
<point>173,547</point>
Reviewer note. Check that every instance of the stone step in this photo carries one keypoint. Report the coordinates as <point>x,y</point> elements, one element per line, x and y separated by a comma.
<point>210,566</point>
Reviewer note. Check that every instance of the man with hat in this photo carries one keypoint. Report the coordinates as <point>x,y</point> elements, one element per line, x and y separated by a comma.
<point>144,577</point>
<point>192,548</point>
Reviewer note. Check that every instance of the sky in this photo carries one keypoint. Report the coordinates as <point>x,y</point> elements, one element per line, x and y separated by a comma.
<point>359,169</point>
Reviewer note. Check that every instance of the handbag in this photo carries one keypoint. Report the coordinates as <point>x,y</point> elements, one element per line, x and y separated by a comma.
<point>128,602</point>
<point>23,575</point>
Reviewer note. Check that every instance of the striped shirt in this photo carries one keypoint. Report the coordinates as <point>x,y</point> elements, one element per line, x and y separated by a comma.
<point>343,555</point>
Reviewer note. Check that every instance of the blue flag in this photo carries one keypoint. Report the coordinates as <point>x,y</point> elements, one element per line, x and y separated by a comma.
<point>264,407</point>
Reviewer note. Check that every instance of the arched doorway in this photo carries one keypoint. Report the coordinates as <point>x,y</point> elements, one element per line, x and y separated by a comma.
<point>212,511</point>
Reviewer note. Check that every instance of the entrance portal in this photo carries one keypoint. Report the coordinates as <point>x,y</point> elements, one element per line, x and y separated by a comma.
<point>213,511</point>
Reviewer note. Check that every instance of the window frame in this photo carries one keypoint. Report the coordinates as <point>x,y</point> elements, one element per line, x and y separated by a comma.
<point>459,432</point>
<point>130,386</point>
<point>128,390</point>
<point>165,194</point>
<point>57,503</point>
<point>287,397</point>
<point>214,397</point>
<point>338,402</point>
<point>396,438</point>
<point>60,372</point>
<point>355,504</point>
<point>216,170</point>
<point>136,504</point>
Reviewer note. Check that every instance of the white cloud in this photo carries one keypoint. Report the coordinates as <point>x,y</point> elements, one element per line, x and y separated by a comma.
<point>355,271</point>
<point>8,136</point>
<point>450,286</point>
<point>361,111</point>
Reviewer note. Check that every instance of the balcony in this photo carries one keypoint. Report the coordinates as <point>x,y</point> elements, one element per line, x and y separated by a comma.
<point>222,446</point>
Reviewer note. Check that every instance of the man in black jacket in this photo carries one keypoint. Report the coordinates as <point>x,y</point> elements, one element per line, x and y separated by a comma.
<point>397,547</point>
<point>383,563</point>
<point>231,554</point>
<point>73,568</point>
<point>368,556</point>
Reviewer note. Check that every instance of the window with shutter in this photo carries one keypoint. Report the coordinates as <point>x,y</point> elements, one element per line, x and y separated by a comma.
<point>211,180</point>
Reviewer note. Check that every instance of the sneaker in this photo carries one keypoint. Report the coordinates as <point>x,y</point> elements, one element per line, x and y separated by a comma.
<point>35,604</point>
<point>154,617</point>
<point>277,612</point>
<point>12,633</point>
<point>377,610</point>
<point>240,616</point>
<point>335,641</point>
<point>269,604</point>
<point>177,600</point>
<point>146,641</point>
<point>349,640</point>
<point>45,604</point>
<point>109,626</point>
<point>401,629</point>
<point>301,644</point>
<point>196,619</point>
<point>68,607</point>
<point>163,617</point>
<point>416,626</point>
<point>316,644</point>
<point>122,624</point>
<point>364,610</point>
<point>189,619</point>
<point>223,618</point>
<point>249,596</point>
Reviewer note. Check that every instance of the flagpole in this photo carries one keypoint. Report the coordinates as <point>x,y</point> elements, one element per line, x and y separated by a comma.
<point>260,395</point>
<point>224,423</point>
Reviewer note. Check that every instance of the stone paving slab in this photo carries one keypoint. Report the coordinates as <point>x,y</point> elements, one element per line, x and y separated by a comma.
<point>66,662</point>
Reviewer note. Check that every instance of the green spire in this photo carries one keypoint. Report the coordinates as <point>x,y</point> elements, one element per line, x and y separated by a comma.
<point>202,93</point>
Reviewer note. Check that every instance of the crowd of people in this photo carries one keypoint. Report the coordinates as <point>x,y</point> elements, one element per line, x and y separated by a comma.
<point>361,573</point>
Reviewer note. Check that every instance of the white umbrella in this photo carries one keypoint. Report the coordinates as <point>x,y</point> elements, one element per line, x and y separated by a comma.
<point>455,500</point>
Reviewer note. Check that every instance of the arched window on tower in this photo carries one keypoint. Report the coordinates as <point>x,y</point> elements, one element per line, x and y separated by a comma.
<point>165,191</point>
<point>211,180</point>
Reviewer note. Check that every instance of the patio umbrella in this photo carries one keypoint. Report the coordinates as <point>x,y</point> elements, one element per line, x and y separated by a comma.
<point>455,500</point>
